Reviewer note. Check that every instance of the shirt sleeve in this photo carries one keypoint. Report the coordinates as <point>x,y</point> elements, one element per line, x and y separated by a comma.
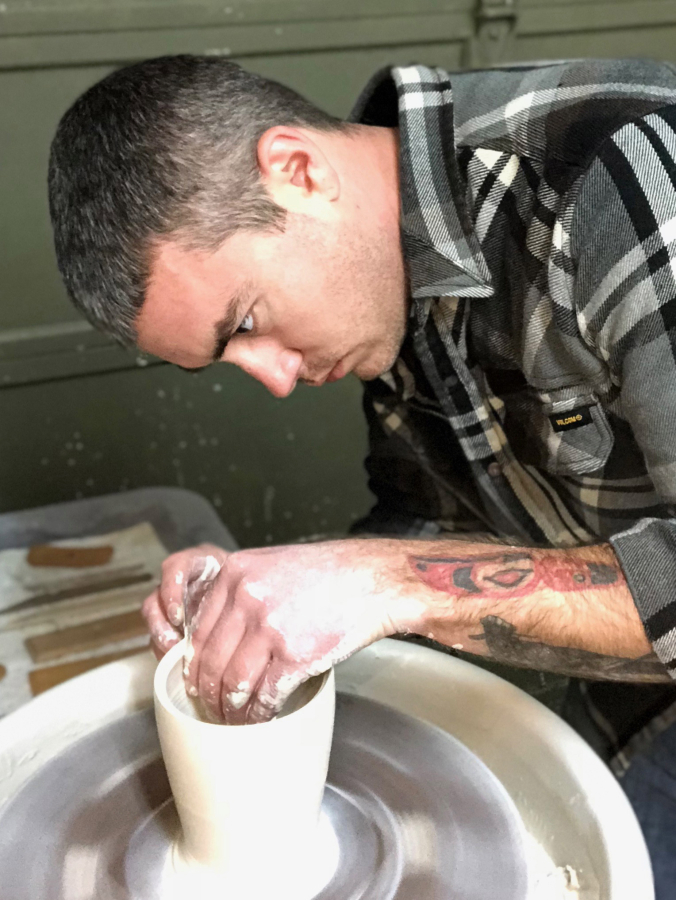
<point>623,242</point>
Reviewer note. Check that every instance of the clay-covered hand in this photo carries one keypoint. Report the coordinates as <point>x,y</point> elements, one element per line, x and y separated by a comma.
<point>273,617</point>
<point>163,609</point>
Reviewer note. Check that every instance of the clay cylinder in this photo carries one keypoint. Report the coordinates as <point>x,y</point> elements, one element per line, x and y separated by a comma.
<point>248,797</point>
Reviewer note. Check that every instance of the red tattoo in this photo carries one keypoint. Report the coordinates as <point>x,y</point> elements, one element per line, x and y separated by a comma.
<point>513,573</point>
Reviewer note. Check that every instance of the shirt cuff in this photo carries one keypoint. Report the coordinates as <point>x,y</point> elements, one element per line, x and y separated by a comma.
<point>647,554</point>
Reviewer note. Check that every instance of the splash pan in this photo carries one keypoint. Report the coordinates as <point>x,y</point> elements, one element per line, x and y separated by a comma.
<point>409,813</point>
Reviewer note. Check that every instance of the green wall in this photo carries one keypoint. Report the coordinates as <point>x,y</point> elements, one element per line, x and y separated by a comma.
<point>80,417</point>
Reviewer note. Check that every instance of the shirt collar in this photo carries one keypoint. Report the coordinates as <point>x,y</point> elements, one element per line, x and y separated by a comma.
<point>441,248</point>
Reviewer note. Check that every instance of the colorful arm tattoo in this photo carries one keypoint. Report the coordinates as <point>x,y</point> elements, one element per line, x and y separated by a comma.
<point>511,574</point>
<point>514,573</point>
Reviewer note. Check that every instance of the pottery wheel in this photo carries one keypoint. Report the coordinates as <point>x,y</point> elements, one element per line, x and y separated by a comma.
<point>415,816</point>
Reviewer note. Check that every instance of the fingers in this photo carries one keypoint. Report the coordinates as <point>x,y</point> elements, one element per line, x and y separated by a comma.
<point>163,609</point>
<point>215,626</point>
<point>179,569</point>
<point>211,660</point>
<point>243,675</point>
<point>278,683</point>
<point>231,652</point>
<point>163,635</point>
<point>172,586</point>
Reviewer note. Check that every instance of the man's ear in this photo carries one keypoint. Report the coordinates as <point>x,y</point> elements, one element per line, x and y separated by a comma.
<point>295,168</point>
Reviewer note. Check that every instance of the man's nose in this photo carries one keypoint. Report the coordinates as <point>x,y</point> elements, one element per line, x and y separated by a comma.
<point>267,361</point>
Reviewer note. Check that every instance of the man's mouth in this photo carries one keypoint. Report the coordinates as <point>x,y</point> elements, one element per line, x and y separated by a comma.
<point>340,370</point>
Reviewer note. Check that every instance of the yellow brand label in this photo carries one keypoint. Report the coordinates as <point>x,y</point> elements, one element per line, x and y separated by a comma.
<point>569,420</point>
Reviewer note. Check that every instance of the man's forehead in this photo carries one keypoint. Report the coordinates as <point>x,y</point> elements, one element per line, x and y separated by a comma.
<point>177,269</point>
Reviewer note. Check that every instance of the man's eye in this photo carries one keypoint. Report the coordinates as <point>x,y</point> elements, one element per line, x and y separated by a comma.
<point>245,325</point>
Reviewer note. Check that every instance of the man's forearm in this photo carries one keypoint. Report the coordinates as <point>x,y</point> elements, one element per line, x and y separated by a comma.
<point>566,611</point>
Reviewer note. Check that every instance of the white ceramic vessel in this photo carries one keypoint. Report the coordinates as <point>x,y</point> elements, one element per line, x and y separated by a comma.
<point>248,796</point>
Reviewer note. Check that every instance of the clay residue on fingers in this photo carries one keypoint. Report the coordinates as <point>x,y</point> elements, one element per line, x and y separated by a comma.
<point>175,610</point>
<point>188,657</point>
<point>190,618</point>
<point>166,638</point>
<point>211,568</point>
<point>175,614</point>
<point>240,696</point>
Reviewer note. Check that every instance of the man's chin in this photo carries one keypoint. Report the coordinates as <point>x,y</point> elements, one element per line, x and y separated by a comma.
<point>374,369</point>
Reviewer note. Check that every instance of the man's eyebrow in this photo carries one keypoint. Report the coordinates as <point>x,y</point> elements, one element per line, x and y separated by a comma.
<point>226,327</point>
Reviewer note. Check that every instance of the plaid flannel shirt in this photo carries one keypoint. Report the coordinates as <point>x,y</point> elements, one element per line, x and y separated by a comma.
<point>535,392</point>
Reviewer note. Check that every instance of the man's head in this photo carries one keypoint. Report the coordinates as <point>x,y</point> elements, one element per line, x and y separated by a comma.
<point>194,202</point>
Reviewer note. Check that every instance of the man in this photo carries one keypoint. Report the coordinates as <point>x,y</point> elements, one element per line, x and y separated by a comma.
<point>494,254</point>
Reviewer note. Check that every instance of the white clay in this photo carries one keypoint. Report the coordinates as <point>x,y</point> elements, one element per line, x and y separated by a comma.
<point>183,879</point>
<point>248,797</point>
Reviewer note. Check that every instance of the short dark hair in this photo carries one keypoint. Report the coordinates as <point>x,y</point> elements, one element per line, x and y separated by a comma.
<point>165,147</point>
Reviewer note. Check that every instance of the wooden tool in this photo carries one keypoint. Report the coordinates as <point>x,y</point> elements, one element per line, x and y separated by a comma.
<point>84,637</point>
<point>107,582</point>
<point>69,557</point>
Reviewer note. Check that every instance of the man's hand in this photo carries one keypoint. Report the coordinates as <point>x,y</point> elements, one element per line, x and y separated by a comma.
<point>263,621</point>
<point>271,618</point>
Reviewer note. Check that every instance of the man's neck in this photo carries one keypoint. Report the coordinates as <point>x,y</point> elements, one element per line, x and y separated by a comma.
<point>382,171</point>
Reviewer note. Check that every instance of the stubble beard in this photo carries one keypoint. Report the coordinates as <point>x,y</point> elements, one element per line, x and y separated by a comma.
<point>384,358</point>
<point>379,269</point>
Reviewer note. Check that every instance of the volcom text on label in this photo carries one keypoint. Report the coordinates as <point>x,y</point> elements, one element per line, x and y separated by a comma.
<point>575,418</point>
